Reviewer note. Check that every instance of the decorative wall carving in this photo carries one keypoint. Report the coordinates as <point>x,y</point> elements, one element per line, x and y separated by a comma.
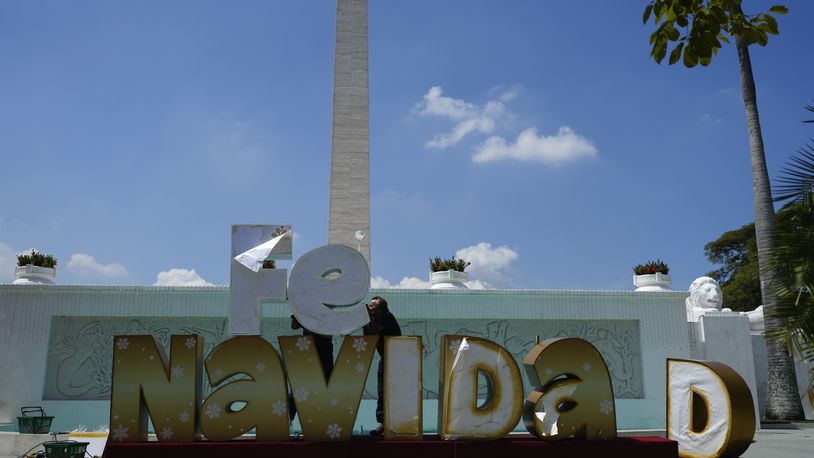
<point>81,348</point>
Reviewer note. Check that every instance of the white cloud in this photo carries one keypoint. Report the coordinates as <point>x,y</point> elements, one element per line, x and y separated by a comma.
<point>477,284</point>
<point>488,264</point>
<point>565,146</point>
<point>180,277</point>
<point>85,264</point>
<point>469,117</point>
<point>706,118</point>
<point>506,93</point>
<point>8,261</point>
<point>405,283</point>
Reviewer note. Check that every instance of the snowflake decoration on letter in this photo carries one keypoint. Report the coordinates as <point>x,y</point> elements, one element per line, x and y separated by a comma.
<point>454,345</point>
<point>119,433</point>
<point>184,416</point>
<point>360,368</point>
<point>586,366</point>
<point>548,372</point>
<point>166,433</point>
<point>606,406</point>
<point>303,343</point>
<point>334,402</point>
<point>190,342</point>
<point>177,371</point>
<point>261,367</point>
<point>300,394</point>
<point>278,408</point>
<point>218,373</point>
<point>359,344</point>
<point>122,343</point>
<point>334,431</point>
<point>212,411</point>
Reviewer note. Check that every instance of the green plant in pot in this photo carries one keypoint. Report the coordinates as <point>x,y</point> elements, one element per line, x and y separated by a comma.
<point>439,265</point>
<point>35,268</point>
<point>652,276</point>
<point>448,273</point>
<point>37,259</point>
<point>652,267</point>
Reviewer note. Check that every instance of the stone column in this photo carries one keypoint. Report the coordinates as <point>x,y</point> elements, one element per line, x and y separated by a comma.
<point>349,206</point>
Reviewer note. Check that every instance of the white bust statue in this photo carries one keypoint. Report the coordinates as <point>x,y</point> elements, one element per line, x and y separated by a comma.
<point>705,296</point>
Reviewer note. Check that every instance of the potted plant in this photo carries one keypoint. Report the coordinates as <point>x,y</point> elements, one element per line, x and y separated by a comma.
<point>652,276</point>
<point>448,273</point>
<point>35,268</point>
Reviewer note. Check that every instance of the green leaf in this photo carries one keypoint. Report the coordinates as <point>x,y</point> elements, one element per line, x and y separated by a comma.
<point>704,61</point>
<point>672,33</point>
<point>660,50</point>
<point>676,54</point>
<point>702,47</point>
<point>723,38</point>
<point>762,38</point>
<point>671,15</point>
<point>719,14</point>
<point>771,24</point>
<point>647,11</point>
<point>690,59</point>
<point>779,9</point>
<point>659,10</point>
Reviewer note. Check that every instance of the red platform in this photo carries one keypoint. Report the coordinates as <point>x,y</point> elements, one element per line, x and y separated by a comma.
<point>630,447</point>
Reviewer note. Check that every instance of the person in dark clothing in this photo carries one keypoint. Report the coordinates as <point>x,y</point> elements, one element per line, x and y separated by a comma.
<point>382,323</point>
<point>325,350</point>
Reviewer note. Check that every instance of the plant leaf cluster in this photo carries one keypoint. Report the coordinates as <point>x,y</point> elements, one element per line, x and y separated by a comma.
<point>696,28</point>
<point>651,267</point>
<point>439,265</point>
<point>37,259</point>
<point>794,256</point>
<point>735,252</point>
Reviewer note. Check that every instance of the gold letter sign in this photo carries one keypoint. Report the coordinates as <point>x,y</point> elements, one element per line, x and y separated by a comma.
<point>327,409</point>
<point>709,409</point>
<point>262,391</point>
<point>573,396</point>
<point>144,381</point>
<point>402,388</point>
<point>463,360</point>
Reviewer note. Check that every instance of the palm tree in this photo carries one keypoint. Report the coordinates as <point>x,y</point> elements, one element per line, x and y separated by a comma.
<point>697,28</point>
<point>794,258</point>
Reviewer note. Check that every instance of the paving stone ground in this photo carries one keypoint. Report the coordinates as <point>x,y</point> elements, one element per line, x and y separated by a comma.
<point>775,441</point>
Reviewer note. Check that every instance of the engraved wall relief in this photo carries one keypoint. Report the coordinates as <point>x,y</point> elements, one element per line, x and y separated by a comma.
<point>81,348</point>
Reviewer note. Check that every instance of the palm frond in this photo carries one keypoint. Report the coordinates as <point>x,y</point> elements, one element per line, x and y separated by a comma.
<point>795,309</point>
<point>796,180</point>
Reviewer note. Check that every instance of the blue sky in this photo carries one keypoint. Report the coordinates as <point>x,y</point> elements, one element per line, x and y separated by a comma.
<point>535,137</point>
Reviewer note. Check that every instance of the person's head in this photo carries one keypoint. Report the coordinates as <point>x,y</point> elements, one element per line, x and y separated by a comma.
<point>377,307</point>
<point>705,293</point>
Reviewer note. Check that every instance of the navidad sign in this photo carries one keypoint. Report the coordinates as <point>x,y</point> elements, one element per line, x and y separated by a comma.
<point>709,409</point>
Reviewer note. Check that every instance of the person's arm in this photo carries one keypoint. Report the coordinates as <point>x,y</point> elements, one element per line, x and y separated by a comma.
<point>391,326</point>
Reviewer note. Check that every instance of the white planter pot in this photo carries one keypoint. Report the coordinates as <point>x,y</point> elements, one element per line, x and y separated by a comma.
<point>33,275</point>
<point>448,279</point>
<point>652,282</point>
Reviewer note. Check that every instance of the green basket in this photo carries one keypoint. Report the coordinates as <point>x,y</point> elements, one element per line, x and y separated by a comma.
<point>38,424</point>
<point>65,449</point>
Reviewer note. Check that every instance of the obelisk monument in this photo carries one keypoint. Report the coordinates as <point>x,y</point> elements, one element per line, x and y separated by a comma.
<point>349,206</point>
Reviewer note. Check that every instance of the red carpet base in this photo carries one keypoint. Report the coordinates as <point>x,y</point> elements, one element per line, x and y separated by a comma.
<point>630,447</point>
